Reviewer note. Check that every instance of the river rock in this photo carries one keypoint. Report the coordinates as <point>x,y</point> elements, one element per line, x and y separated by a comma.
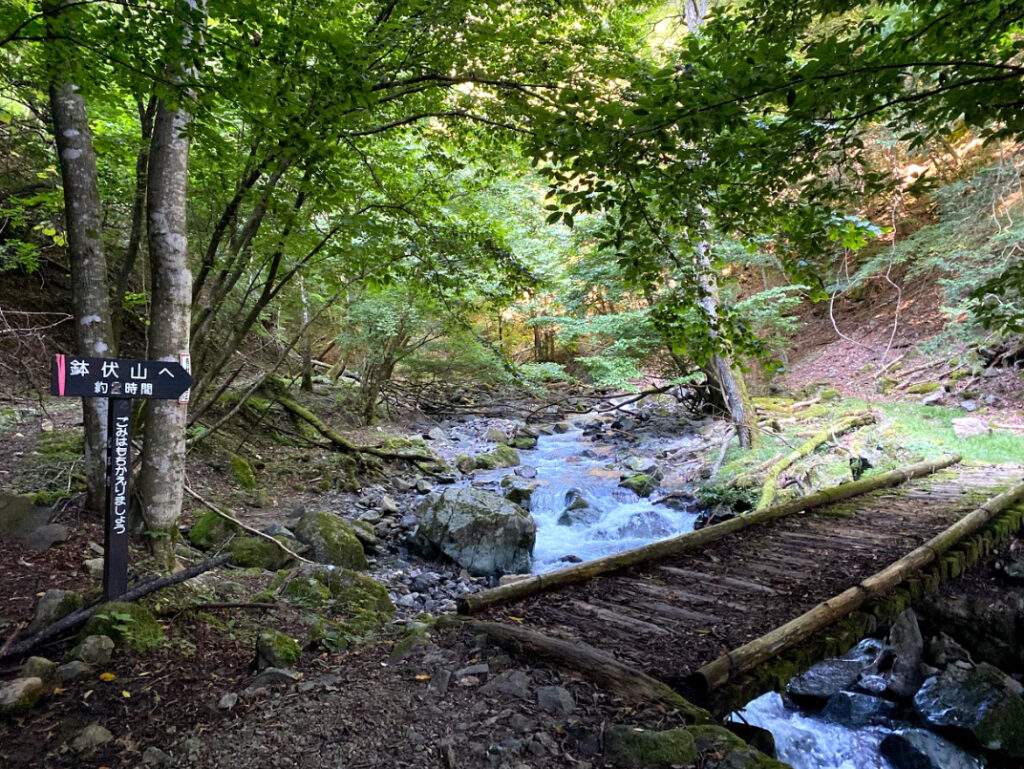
<point>95,650</point>
<point>331,540</point>
<point>943,651</point>
<point>437,434</point>
<point>628,747</point>
<point>54,605</point>
<point>18,696</point>
<point>494,435</point>
<point>816,686</point>
<point>641,484</point>
<point>981,701</point>
<point>478,529</point>
<point>854,710</point>
<point>908,645</point>
<point>561,427</point>
<point>967,427</point>
<point>919,749</point>
<point>518,490</point>
<point>91,738</point>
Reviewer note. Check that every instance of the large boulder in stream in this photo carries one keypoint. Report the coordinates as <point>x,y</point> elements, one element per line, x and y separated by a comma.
<point>481,531</point>
<point>331,540</point>
<point>980,701</point>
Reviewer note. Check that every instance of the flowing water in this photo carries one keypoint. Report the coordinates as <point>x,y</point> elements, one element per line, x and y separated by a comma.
<point>609,519</point>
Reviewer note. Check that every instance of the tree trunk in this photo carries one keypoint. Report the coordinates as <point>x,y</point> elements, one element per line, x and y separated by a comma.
<point>720,369</point>
<point>163,454</point>
<point>83,223</point>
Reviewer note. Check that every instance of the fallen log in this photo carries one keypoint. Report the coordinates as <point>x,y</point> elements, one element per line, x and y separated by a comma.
<point>76,618</point>
<point>629,683</point>
<point>747,657</point>
<point>474,602</point>
<point>834,430</point>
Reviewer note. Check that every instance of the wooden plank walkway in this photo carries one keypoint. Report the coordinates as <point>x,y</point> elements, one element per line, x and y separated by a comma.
<point>670,617</point>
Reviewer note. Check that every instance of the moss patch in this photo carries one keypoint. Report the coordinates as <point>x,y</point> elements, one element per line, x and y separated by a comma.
<point>211,530</point>
<point>276,649</point>
<point>260,553</point>
<point>627,747</point>
<point>502,456</point>
<point>640,484</point>
<point>241,471</point>
<point>129,624</point>
<point>331,539</point>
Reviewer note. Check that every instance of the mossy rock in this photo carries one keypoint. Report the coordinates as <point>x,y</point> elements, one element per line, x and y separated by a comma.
<point>259,553</point>
<point>211,530</point>
<point>241,471</point>
<point>397,444</point>
<point>923,388</point>
<point>465,463</point>
<point>275,649</point>
<point>363,602</point>
<point>502,456</point>
<point>719,748</point>
<point>130,625</point>
<point>886,385</point>
<point>494,435</point>
<point>830,394</point>
<point>331,540</point>
<point>628,747</point>
<point>47,498</point>
<point>524,442</point>
<point>640,484</point>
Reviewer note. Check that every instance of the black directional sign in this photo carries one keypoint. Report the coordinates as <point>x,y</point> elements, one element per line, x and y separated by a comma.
<point>79,377</point>
<point>120,380</point>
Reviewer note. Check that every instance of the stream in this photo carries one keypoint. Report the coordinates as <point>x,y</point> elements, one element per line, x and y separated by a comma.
<point>611,519</point>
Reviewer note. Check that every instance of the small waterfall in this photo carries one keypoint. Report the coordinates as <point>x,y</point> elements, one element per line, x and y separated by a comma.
<point>608,519</point>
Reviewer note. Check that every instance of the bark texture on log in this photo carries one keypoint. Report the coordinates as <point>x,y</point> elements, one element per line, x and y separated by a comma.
<point>834,430</point>
<point>744,659</point>
<point>474,602</point>
<point>628,682</point>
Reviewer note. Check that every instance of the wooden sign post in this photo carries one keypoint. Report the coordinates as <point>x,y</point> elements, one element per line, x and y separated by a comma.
<point>120,380</point>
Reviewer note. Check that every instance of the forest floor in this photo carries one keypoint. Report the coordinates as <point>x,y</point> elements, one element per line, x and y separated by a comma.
<point>387,701</point>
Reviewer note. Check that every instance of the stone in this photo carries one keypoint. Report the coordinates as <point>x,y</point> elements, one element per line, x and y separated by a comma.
<point>331,540</point>
<point>556,700</point>
<point>258,553</point>
<point>641,484</point>
<point>127,623</point>
<point>562,427</point>
<point>363,601</point>
<point>95,649</point>
<point>366,534</point>
<point>855,710</point>
<point>228,701</point>
<point>967,427</point>
<point>277,529</point>
<point>502,456</point>
<point>271,676</point>
<point>629,747</point>
<point>40,667</point>
<point>91,738</point>
<point>46,536</point>
<point>424,582</point>
<point>423,486</point>
<point>54,605</point>
<point>154,757</point>
<point>73,671</point>
<point>437,434</point>
<point>94,567</point>
<point>524,443</point>
<point>494,435</point>
<point>465,463</point>
<point>212,530</point>
<point>526,471</point>
<point>816,686</point>
<point>478,529</point>
<point>511,683</point>
<point>388,506</point>
<point>920,749</point>
<point>969,405</point>
<point>981,701</point>
<point>943,650</point>
<point>20,695</point>
<point>275,649</point>
<point>908,645</point>
<point>518,490</point>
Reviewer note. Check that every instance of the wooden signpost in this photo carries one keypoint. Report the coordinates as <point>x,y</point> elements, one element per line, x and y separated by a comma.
<point>120,380</point>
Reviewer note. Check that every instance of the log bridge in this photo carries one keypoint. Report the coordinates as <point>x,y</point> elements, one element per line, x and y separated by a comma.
<point>710,619</point>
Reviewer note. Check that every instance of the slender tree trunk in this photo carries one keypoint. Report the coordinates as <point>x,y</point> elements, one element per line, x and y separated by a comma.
<point>83,218</point>
<point>728,381</point>
<point>307,354</point>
